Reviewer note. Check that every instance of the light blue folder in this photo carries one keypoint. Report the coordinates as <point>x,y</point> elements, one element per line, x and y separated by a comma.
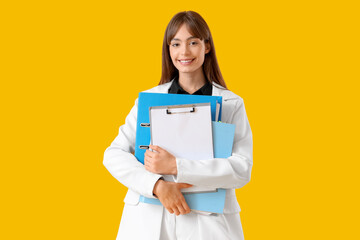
<point>223,137</point>
<point>147,100</point>
<point>214,202</point>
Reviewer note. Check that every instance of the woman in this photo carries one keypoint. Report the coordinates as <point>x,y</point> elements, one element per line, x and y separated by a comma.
<point>189,67</point>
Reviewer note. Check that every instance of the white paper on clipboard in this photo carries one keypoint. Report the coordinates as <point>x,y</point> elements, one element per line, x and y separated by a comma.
<point>185,131</point>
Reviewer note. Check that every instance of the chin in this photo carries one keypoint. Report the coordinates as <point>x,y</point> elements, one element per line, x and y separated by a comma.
<point>183,69</point>
<point>186,71</point>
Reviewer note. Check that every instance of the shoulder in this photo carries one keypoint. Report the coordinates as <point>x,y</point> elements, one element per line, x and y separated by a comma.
<point>231,104</point>
<point>227,95</point>
<point>163,88</point>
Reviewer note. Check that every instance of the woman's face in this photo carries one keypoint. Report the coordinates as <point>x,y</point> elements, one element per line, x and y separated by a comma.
<point>187,52</point>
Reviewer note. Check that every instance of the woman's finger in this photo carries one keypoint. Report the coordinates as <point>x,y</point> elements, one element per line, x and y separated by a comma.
<point>147,162</point>
<point>181,209</point>
<point>183,185</point>
<point>149,153</point>
<point>176,211</point>
<point>185,207</point>
<point>148,159</point>
<point>156,148</point>
<point>182,205</point>
<point>170,210</point>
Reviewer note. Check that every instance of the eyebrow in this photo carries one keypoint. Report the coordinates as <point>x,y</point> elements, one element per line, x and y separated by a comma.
<point>177,39</point>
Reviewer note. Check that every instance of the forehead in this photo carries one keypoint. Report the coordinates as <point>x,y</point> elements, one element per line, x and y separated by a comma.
<point>183,33</point>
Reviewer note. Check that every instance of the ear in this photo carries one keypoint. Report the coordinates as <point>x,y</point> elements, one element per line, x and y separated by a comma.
<point>207,47</point>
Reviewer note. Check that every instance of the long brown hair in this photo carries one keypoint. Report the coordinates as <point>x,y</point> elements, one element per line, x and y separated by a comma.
<point>198,28</point>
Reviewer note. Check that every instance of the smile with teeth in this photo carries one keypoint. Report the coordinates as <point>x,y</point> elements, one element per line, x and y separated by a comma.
<point>186,61</point>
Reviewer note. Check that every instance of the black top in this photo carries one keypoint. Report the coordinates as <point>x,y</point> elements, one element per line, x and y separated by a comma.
<point>177,89</point>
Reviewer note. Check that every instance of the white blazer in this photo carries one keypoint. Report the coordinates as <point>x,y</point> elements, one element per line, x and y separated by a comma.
<point>231,173</point>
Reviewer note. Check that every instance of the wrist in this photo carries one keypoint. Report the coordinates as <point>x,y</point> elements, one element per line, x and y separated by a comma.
<point>174,172</point>
<point>157,185</point>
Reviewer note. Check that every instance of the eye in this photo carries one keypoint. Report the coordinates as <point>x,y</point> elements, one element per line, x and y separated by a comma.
<point>175,45</point>
<point>193,43</point>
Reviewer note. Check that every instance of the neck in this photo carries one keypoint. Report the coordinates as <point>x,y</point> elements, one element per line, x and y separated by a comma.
<point>191,82</point>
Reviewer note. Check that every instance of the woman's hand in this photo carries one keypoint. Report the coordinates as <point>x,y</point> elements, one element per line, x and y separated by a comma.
<point>171,197</point>
<point>160,162</point>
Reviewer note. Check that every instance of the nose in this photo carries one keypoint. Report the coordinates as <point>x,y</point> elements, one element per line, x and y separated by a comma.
<point>185,49</point>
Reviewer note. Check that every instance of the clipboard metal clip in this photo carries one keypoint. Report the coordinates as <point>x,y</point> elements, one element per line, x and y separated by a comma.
<point>182,109</point>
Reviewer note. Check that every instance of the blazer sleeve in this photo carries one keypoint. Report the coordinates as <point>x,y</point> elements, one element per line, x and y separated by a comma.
<point>233,172</point>
<point>123,165</point>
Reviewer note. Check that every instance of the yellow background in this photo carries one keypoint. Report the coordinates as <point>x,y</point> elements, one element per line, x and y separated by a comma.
<point>71,70</point>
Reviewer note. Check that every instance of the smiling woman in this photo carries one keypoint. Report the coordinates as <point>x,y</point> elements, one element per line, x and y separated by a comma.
<point>188,53</point>
<point>188,38</point>
<point>189,66</point>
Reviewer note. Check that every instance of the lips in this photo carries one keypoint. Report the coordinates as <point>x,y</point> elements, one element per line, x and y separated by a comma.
<point>186,61</point>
